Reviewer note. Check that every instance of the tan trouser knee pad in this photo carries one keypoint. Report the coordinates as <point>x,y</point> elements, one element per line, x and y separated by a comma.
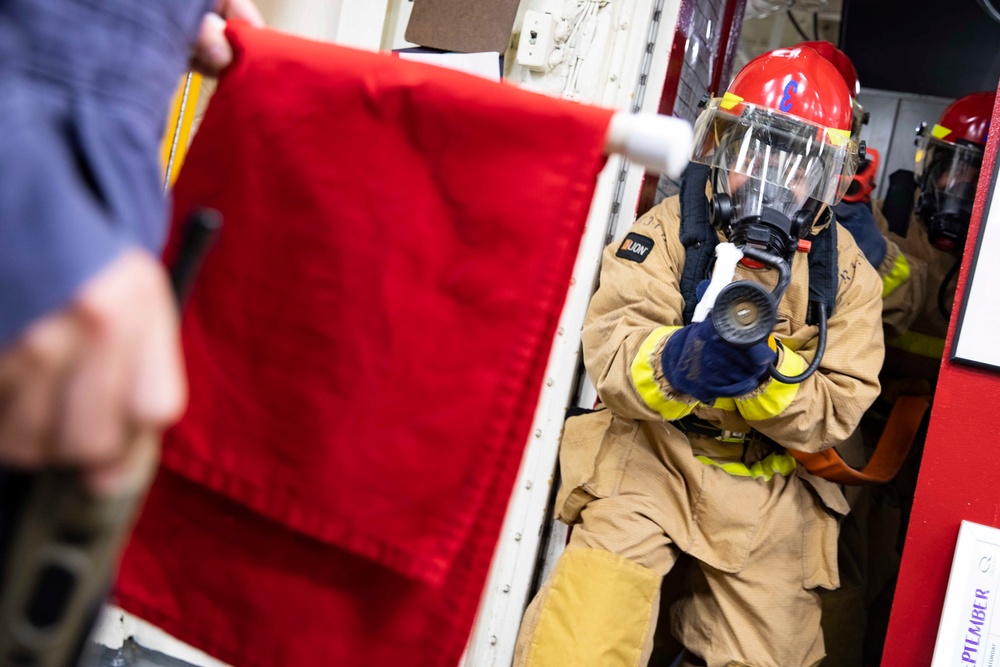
<point>598,609</point>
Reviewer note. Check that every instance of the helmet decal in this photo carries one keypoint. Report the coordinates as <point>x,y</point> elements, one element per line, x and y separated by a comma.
<point>798,82</point>
<point>940,132</point>
<point>786,101</point>
<point>838,137</point>
<point>729,101</point>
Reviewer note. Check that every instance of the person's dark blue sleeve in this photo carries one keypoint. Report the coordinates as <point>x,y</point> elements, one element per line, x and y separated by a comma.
<point>84,94</point>
<point>859,220</point>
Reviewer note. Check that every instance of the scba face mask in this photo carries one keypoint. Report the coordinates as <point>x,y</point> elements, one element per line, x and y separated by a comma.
<point>761,214</point>
<point>947,174</point>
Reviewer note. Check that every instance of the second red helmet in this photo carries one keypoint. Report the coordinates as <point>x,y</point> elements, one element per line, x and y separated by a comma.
<point>838,59</point>
<point>967,118</point>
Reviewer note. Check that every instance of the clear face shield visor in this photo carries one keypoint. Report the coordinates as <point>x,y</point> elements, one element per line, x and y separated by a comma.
<point>948,171</point>
<point>763,159</point>
<point>773,175</point>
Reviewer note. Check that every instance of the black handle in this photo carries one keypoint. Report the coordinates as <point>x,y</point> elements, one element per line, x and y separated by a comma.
<point>197,237</point>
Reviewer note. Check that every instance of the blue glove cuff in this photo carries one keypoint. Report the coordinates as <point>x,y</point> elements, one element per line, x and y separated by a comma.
<point>697,362</point>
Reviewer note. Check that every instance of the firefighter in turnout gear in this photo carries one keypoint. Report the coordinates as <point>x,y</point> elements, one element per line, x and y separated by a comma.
<point>925,213</point>
<point>690,451</point>
<point>924,216</point>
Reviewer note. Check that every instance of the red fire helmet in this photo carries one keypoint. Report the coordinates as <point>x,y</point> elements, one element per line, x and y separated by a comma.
<point>966,118</point>
<point>799,82</point>
<point>780,136</point>
<point>839,59</point>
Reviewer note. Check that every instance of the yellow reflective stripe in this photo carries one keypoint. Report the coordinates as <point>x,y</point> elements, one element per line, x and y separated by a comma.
<point>940,131</point>
<point>644,378</point>
<point>781,464</point>
<point>773,397</point>
<point>920,344</point>
<point>723,403</point>
<point>729,100</point>
<point>900,274</point>
<point>837,136</point>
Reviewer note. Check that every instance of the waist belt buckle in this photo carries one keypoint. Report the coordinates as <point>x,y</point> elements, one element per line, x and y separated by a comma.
<point>731,436</point>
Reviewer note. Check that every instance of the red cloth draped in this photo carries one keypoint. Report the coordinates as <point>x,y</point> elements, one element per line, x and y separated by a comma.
<point>365,346</point>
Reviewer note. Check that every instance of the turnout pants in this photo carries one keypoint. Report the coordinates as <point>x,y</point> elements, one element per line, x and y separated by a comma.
<point>754,606</point>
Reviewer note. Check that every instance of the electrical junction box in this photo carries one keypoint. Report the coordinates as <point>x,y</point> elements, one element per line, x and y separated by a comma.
<point>537,40</point>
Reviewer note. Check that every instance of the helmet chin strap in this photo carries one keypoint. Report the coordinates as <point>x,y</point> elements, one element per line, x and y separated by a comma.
<point>823,217</point>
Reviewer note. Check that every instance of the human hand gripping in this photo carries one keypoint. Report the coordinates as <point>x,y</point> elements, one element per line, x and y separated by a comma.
<point>94,384</point>
<point>212,52</point>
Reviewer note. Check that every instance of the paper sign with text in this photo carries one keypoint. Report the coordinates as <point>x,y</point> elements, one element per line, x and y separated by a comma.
<point>969,633</point>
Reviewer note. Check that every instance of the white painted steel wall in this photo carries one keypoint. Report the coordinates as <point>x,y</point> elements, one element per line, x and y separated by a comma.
<point>616,57</point>
<point>357,23</point>
<point>116,625</point>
